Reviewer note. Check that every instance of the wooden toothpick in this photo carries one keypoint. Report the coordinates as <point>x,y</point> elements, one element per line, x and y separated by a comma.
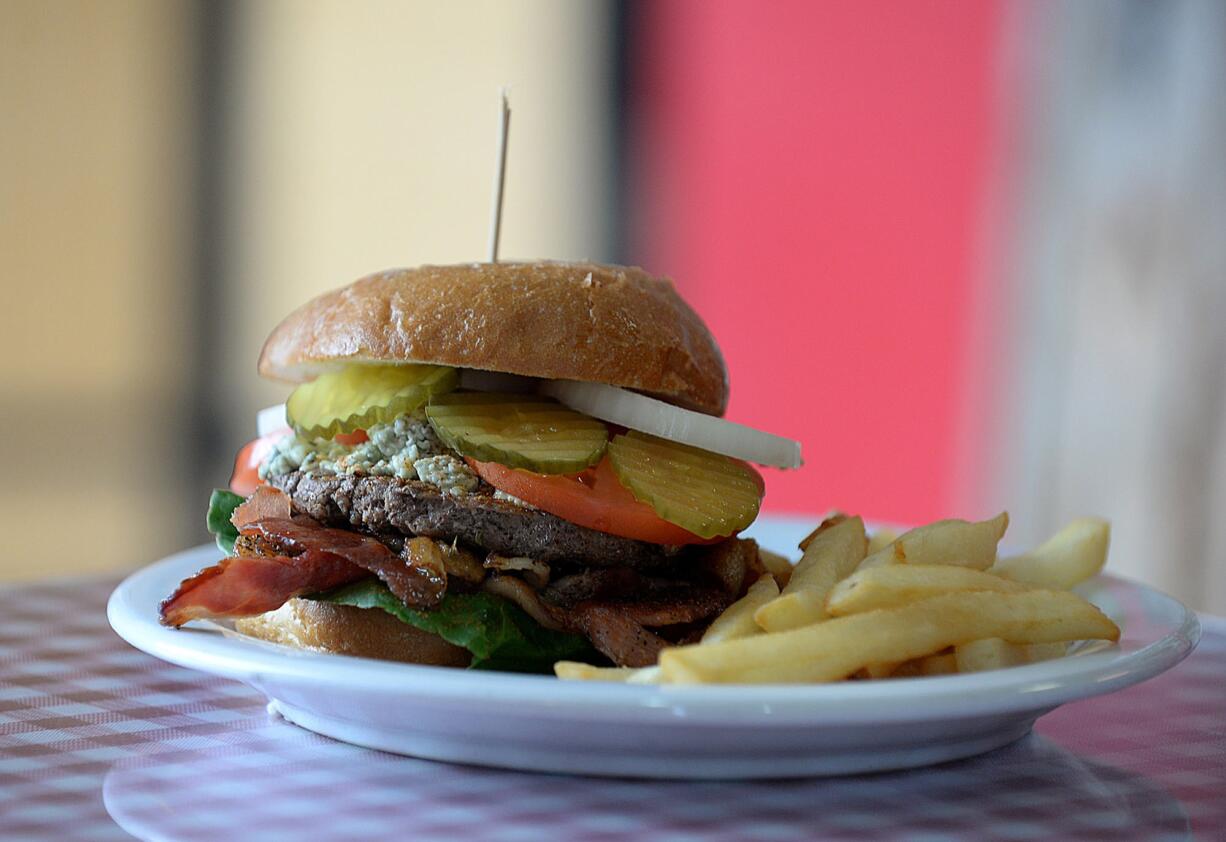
<point>500,173</point>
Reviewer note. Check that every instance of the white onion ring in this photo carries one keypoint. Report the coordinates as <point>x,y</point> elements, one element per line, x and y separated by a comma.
<point>648,415</point>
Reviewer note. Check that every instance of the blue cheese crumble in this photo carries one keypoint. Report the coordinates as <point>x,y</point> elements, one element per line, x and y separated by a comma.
<point>407,448</point>
<point>449,473</point>
<point>499,494</point>
<point>294,453</point>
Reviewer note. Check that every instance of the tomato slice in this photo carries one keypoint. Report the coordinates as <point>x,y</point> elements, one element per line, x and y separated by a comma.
<point>594,498</point>
<point>246,476</point>
<point>350,439</point>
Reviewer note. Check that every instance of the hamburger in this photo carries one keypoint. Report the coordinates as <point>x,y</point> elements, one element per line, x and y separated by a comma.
<point>489,465</point>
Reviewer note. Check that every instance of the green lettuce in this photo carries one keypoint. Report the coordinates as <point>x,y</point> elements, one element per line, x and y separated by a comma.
<point>499,633</point>
<point>221,505</point>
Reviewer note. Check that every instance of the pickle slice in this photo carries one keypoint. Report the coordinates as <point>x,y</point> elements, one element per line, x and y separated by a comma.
<point>362,394</point>
<point>520,431</point>
<point>706,493</point>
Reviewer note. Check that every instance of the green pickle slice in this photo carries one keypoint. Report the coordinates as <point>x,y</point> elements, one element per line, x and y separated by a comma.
<point>706,493</point>
<point>362,394</point>
<point>520,431</point>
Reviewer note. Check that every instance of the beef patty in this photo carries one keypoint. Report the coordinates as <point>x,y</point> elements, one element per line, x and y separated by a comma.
<point>381,505</point>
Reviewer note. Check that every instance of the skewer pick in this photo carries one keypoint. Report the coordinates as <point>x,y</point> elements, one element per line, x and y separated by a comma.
<point>500,173</point>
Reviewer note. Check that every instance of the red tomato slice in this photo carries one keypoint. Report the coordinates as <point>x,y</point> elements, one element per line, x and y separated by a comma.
<point>594,498</point>
<point>246,477</point>
<point>350,439</point>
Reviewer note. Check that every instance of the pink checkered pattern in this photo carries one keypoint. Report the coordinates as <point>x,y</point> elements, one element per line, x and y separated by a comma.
<point>99,741</point>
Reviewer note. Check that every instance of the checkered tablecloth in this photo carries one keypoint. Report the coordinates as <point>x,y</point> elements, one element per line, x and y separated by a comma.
<point>99,741</point>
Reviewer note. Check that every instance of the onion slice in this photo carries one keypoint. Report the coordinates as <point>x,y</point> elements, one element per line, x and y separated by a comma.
<point>648,415</point>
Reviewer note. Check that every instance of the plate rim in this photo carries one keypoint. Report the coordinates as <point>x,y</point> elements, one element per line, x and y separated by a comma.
<point>1029,687</point>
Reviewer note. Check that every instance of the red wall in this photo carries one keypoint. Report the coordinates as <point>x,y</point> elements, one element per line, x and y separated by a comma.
<point>813,174</point>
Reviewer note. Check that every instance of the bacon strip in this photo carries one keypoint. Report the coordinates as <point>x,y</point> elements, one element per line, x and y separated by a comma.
<point>621,638</point>
<point>266,501</point>
<point>304,558</point>
<point>241,587</point>
<point>416,584</point>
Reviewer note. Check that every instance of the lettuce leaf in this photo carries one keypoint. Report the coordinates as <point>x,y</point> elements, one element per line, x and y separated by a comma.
<point>221,505</point>
<point>499,633</point>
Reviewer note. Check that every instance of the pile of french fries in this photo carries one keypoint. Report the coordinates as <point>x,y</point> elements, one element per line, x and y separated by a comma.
<point>935,600</point>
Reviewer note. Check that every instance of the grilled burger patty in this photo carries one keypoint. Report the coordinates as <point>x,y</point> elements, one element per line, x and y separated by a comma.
<point>381,504</point>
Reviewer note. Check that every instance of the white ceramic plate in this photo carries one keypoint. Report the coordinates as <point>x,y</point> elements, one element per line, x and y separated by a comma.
<point>770,731</point>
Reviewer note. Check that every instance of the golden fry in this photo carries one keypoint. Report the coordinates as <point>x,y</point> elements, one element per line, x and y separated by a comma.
<point>576,671</point>
<point>832,519</point>
<point>958,542</point>
<point>1075,553</point>
<point>990,653</point>
<point>831,554</point>
<point>737,620</point>
<point>779,566</point>
<point>993,653</point>
<point>881,670</point>
<point>880,539</point>
<point>837,648</point>
<point>943,663</point>
<point>900,584</point>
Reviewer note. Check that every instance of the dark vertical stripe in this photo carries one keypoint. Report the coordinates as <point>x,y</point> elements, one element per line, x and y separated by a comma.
<point>205,462</point>
<point>620,187</point>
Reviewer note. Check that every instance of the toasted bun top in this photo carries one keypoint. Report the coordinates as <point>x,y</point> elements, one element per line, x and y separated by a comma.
<point>566,321</point>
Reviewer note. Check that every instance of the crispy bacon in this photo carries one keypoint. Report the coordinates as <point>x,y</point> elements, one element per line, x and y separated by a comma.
<point>265,502</point>
<point>627,615</point>
<point>617,609</point>
<point>417,585</point>
<point>621,638</point>
<point>688,606</point>
<point>284,557</point>
<point>241,587</point>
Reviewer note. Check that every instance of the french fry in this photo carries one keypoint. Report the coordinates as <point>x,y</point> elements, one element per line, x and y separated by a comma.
<point>830,555</point>
<point>881,670</point>
<point>899,584</point>
<point>907,669</point>
<point>837,648</point>
<point>958,542</point>
<point>943,663</point>
<point>880,539</point>
<point>779,566</point>
<point>575,671</point>
<point>832,519</point>
<point>990,653</point>
<point>737,620</point>
<point>993,653</point>
<point>1075,553</point>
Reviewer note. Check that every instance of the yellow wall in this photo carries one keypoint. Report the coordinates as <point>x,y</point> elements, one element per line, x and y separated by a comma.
<point>93,103</point>
<point>360,136</point>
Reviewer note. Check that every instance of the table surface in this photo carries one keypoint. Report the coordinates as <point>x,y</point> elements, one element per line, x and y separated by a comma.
<point>99,741</point>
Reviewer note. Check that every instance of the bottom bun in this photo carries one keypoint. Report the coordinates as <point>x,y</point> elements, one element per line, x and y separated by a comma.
<point>343,629</point>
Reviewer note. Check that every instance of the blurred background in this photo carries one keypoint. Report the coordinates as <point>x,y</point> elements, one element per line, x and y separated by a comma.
<point>973,255</point>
